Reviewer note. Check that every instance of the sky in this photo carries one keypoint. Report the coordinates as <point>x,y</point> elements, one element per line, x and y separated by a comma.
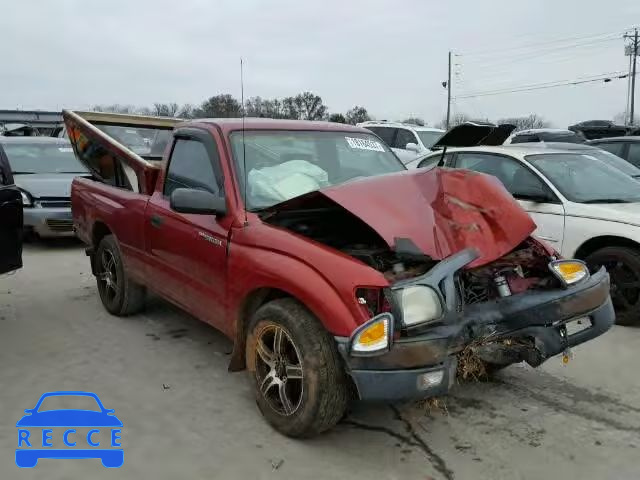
<point>388,56</point>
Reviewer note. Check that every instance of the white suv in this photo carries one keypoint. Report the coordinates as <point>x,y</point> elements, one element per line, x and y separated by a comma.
<point>407,141</point>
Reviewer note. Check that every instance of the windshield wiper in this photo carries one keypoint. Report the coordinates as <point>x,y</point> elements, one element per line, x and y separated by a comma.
<point>23,173</point>
<point>607,200</point>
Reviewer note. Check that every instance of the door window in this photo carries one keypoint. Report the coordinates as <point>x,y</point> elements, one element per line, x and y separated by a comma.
<point>385,133</point>
<point>617,148</point>
<point>634,153</point>
<point>432,160</point>
<point>191,167</point>
<point>403,137</point>
<point>518,180</point>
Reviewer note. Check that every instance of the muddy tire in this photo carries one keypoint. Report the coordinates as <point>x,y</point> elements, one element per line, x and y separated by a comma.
<point>623,265</point>
<point>119,294</point>
<point>301,385</point>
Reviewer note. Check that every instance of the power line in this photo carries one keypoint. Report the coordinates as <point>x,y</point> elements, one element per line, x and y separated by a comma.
<point>550,82</point>
<point>525,56</point>
<point>502,86</point>
<point>496,72</point>
<point>560,40</point>
<point>559,83</point>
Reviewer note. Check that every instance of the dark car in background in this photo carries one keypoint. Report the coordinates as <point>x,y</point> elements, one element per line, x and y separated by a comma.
<point>592,129</point>
<point>42,169</point>
<point>10,219</point>
<point>624,147</point>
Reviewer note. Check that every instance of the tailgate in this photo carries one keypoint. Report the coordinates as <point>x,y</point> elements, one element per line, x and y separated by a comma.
<point>120,150</point>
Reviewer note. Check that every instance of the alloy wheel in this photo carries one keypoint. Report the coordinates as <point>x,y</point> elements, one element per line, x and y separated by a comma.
<point>108,275</point>
<point>279,370</point>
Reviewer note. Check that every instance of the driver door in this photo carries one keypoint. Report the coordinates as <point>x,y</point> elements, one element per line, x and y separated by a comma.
<point>187,253</point>
<point>10,219</point>
<point>544,207</point>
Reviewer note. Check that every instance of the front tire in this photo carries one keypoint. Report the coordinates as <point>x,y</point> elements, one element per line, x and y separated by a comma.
<point>301,385</point>
<point>623,265</point>
<point>119,294</point>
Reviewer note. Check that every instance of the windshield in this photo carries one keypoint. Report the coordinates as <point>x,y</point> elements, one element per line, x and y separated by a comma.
<point>429,138</point>
<point>615,161</point>
<point>583,178</point>
<point>42,158</point>
<point>282,165</point>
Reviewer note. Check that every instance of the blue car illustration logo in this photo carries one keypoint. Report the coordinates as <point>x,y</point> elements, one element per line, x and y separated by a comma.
<point>36,432</point>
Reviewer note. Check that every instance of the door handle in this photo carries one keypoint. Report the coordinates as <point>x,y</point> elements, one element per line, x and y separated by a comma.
<point>156,221</point>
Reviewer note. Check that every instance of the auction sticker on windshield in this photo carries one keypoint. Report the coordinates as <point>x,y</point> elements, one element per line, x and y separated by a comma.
<point>364,144</point>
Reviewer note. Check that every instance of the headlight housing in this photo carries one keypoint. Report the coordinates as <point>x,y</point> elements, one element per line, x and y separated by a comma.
<point>419,304</point>
<point>373,337</point>
<point>569,271</point>
<point>27,201</point>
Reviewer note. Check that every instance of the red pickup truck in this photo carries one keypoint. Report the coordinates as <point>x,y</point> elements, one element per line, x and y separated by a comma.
<point>337,273</point>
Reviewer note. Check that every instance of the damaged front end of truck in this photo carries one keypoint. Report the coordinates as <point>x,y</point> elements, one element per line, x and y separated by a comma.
<point>465,278</point>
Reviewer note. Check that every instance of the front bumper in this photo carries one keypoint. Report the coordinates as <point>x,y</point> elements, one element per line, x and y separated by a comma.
<point>537,316</point>
<point>49,222</point>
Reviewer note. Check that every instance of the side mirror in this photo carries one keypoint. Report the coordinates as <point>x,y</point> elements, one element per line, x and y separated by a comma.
<point>190,200</point>
<point>412,147</point>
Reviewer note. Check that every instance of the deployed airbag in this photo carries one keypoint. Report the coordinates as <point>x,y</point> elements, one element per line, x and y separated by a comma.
<point>286,180</point>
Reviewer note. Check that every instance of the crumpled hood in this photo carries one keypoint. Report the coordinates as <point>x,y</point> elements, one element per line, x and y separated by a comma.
<point>442,211</point>
<point>46,184</point>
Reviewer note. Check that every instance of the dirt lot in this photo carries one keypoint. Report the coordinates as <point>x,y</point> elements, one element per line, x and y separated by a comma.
<point>184,416</point>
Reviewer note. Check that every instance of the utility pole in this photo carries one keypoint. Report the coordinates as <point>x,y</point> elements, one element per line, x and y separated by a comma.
<point>449,89</point>
<point>634,58</point>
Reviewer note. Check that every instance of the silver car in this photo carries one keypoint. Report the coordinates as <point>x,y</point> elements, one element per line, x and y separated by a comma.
<point>43,168</point>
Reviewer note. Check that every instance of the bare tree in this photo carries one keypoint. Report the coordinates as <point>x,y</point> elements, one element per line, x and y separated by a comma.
<point>254,107</point>
<point>116,108</point>
<point>187,111</point>
<point>307,106</point>
<point>165,109</point>
<point>623,117</point>
<point>337,118</point>
<point>357,115</point>
<point>456,119</point>
<point>524,123</point>
<point>219,106</point>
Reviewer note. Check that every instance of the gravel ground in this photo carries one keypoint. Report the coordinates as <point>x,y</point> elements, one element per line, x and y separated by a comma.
<point>185,416</point>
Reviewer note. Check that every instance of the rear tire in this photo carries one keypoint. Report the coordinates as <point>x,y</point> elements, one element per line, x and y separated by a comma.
<point>623,265</point>
<point>301,385</point>
<point>119,294</point>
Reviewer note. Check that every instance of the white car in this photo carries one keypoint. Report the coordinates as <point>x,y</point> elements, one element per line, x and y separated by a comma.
<point>545,135</point>
<point>583,207</point>
<point>406,141</point>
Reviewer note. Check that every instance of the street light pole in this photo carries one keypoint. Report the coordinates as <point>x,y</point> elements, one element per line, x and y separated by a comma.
<point>634,58</point>
<point>449,90</point>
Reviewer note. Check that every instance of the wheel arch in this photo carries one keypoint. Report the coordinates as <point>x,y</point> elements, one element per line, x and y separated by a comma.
<point>98,232</point>
<point>596,243</point>
<point>251,303</point>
